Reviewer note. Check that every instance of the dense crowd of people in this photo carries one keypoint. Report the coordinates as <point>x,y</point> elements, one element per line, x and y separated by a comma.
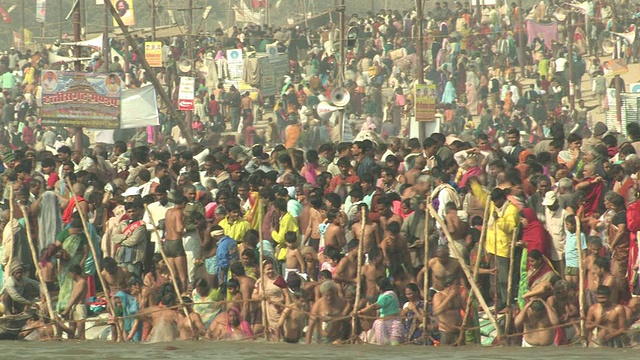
<point>279,228</point>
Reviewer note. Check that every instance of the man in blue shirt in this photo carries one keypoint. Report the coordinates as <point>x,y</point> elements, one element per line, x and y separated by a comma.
<point>226,254</point>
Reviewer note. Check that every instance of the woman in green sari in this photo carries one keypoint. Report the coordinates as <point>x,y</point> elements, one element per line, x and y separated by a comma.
<point>73,251</point>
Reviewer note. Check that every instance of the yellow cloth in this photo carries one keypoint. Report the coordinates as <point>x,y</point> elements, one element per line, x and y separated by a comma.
<point>287,223</point>
<point>499,231</point>
<point>255,214</point>
<point>236,230</point>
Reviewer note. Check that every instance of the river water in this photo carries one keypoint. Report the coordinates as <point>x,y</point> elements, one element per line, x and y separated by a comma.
<point>260,350</point>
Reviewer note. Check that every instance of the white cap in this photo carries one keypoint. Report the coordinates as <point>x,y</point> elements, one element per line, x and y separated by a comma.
<point>132,191</point>
<point>549,198</point>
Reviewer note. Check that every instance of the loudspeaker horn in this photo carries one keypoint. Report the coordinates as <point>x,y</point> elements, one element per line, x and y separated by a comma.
<point>325,110</point>
<point>629,36</point>
<point>184,65</point>
<point>340,97</point>
<point>608,46</point>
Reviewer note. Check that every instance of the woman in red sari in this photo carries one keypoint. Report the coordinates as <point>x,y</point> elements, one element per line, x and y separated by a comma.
<point>534,235</point>
<point>537,243</point>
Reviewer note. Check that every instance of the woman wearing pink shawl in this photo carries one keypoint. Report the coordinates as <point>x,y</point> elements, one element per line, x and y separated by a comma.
<point>237,328</point>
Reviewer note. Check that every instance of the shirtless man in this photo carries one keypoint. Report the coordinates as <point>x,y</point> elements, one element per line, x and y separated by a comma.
<point>602,276</point>
<point>316,215</point>
<point>457,228</point>
<point>412,175</point>
<point>607,318</point>
<point>328,307</point>
<point>164,319</point>
<point>246,285</point>
<point>538,320</point>
<point>76,311</point>
<point>184,327</point>
<point>335,233</point>
<point>447,307</point>
<point>173,246</point>
<point>115,276</point>
<point>294,319</point>
<point>395,249</point>
<point>347,270</point>
<point>371,230</point>
<point>442,266</point>
<point>594,245</point>
<point>387,215</point>
<point>563,301</point>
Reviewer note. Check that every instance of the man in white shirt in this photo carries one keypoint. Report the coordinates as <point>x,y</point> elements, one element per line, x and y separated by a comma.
<point>157,211</point>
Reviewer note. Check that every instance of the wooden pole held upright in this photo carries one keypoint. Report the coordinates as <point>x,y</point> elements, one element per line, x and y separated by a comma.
<point>476,267</point>
<point>425,278</point>
<point>36,263</point>
<point>354,322</point>
<point>263,302</point>
<point>94,253</point>
<point>581,273</point>
<point>176,288</point>
<point>512,251</point>
<point>466,270</point>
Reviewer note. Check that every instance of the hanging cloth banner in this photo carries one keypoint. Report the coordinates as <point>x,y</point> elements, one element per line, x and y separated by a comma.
<point>41,10</point>
<point>549,32</point>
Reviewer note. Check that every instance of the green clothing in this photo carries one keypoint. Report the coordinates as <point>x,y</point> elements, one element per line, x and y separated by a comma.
<point>190,208</point>
<point>389,305</point>
<point>8,81</point>
<point>72,245</point>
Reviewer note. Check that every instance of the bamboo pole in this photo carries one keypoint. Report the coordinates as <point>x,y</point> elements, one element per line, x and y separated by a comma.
<point>512,251</point>
<point>476,267</point>
<point>354,322</point>
<point>581,270</point>
<point>495,264</point>
<point>94,253</point>
<point>36,263</point>
<point>263,301</point>
<point>465,268</point>
<point>173,275</point>
<point>425,278</point>
<point>11,224</point>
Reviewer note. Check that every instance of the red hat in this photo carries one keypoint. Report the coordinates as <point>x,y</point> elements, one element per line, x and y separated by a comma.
<point>233,167</point>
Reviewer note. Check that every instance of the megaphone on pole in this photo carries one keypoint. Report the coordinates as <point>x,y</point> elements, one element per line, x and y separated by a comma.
<point>325,110</point>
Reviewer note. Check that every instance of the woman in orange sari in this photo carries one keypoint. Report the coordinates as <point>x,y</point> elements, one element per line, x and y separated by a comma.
<point>508,103</point>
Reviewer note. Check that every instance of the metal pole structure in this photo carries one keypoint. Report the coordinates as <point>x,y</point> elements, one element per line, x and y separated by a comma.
<point>616,81</point>
<point>60,20</point>
<point>572,97</point>
<point>420,42</point>
<point>521,38</point>
<point>153,20</point>
<point>24,32</point>
<point>83,19</point>
<point>422,130</point>
<point>175,115</point>
<point>343,26</point>
<point>77,64</point>
<point>106,53</point>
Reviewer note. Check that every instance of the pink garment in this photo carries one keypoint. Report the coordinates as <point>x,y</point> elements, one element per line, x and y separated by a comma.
<point>151,134</point>
<point>309,173</point>
<point>474,171</point>
<point>549,32</point>
<point>244,326</point>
